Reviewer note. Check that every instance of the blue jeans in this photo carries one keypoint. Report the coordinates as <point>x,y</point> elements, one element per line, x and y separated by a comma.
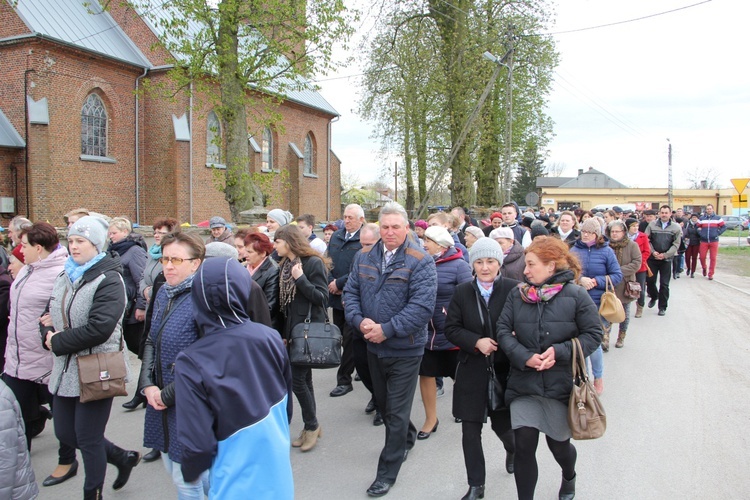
<point>197,490</point>
<point>597,357</point>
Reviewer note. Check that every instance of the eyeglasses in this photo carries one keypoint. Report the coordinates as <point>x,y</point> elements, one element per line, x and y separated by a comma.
<point>174,260</point>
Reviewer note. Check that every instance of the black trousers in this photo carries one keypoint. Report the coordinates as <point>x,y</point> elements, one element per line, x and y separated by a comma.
<point>359,350</point>
<point>31,395</point>
<point>81,425</point>
<point>395,382</point>
<point>640,277</point>
<point>344,374</point>
<point>662,269</point>
<point>132,333</point>
<point>471,440</point>
<point>302,386</point>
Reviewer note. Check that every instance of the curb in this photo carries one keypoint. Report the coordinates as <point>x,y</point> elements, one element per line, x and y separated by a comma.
<point>732,287</point>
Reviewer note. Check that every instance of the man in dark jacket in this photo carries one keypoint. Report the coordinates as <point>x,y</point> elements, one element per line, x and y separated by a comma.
<point>710,227</point>
<point>664,236</point>
<point>390,296</point>
<point>343,246</point>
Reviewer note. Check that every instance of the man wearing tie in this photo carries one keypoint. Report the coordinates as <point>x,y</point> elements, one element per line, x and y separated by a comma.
<point>390,296</point>
<point>343,246</point>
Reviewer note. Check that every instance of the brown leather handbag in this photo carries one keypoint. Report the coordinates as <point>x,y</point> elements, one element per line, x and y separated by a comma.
<point>102,375</point>
<point>610,306</point>
<point>586,416</point>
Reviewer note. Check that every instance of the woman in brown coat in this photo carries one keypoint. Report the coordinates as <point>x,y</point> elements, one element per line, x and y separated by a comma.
<point>629,257</point>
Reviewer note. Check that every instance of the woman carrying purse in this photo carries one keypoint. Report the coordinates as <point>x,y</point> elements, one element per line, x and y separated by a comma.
<point>303,287</point>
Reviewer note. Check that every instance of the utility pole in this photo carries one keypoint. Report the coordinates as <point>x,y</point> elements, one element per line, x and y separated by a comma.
<point>509,127</point>
<point>670,194</point>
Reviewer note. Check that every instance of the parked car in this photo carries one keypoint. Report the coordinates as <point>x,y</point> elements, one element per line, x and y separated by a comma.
<point>732,222</point>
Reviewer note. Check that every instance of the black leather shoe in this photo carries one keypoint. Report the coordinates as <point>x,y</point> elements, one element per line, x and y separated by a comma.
<point>424,435</point>
<point>457,420</point>
<point>474,493</point>
<point>651,303</point>
<point>133,403</point>
<point>509,458</point>
<point>662,312</point>
<point>341,390</point>
<point>124,461</point>
<point>152,456</point>
<point>52,480</point>
<point>371,407</point>
<point>378,420</point>
<point>378,488</point>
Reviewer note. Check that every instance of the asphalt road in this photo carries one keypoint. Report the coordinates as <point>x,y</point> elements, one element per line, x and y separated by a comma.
<point>677,398</point>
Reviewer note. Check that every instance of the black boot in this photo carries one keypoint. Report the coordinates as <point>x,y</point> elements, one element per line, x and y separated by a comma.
<point>124,461</point>
<point>509,462</point>
<point>568,489</point>
<point>95,494</point>
<point>474,493</point>
<point>133,403</point>
<point>152,456</point>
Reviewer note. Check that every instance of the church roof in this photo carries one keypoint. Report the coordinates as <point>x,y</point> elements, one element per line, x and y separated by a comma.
<point>80,23</point>
<point>9,136</point>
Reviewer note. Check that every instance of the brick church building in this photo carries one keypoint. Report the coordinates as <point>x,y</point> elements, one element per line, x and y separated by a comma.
<point>75,131</point>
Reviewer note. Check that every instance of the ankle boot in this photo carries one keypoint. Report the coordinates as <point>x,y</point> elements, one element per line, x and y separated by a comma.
<point>568,489</point>
<point>474,493</point>
<point>124,461</point>
<point>133,403</point>
<point>95,494</point>
<point>621,338</point>
<point>300,439</point>
<point>311,439</point>
<point>638,311</point>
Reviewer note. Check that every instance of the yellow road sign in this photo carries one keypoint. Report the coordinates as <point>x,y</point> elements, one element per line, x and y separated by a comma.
<point>740,184</point>
<point>739,200</point>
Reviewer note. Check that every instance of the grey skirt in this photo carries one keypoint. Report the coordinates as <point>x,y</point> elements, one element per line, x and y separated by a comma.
<point>549,416</point>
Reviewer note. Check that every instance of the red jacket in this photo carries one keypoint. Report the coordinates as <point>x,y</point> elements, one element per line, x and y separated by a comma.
<point>642,242</point>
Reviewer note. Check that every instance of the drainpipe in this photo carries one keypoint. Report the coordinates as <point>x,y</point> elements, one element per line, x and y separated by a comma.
<point>328,170</point>
<point>137,151</point>
<point>26,138</point>
<point>190,127</point>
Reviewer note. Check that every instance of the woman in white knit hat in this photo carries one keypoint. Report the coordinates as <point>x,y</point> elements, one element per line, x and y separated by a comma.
<point>440,356</point>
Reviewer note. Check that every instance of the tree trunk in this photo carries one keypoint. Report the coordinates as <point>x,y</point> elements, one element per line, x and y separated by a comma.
<point>239,190</point>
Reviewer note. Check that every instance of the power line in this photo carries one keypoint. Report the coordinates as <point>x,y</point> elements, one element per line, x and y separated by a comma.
<point>625,21</point>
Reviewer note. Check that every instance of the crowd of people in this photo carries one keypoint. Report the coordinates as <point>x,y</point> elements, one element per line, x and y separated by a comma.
<point>416,302</point>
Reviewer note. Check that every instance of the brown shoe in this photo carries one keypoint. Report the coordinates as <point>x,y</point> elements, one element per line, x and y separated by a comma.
<point>638,311</point>
<point>311,439</point>
<point>301,439</point>
<point>621,339</point>
<point>605,339</point>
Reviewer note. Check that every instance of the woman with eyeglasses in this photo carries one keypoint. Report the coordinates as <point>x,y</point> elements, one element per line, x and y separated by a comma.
<point>630,259</point>
<point>172,330</point>
<point>84,316</point>
<point>150,281</point>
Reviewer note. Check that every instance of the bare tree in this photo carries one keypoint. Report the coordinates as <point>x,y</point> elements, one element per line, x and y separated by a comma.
<point>702,178</point>
<point>555,169</point>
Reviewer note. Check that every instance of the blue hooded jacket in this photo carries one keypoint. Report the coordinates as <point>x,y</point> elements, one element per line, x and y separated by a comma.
<point>234,386</point>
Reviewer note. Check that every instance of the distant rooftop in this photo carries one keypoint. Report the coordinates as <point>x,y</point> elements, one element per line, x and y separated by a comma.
<point>590,179</point>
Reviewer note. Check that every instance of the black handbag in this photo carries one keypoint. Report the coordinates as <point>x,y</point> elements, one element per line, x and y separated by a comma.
<point>495,391</point>
<point>315,345</point>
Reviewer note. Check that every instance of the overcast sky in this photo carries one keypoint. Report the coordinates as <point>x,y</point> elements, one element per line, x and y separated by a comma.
<point>620,92</point>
